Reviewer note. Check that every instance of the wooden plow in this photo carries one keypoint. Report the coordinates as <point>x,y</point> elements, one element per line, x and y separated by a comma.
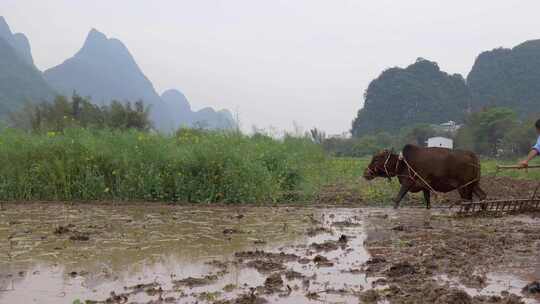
<point>514,167</point>
<point>499,206</point>
<point>504,205</point>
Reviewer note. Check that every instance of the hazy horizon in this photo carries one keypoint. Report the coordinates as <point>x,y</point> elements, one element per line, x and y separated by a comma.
<point>276,62</point>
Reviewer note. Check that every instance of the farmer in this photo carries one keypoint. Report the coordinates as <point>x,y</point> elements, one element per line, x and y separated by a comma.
<point>534,151</point>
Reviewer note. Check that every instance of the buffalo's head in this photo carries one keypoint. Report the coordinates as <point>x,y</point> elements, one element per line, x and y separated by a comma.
<point>378,165</point>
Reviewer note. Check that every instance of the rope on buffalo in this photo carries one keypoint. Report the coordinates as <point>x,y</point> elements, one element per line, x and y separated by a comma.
<point>402,157</point>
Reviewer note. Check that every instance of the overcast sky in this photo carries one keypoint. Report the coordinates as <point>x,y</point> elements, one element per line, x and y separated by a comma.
<point>277,61</point>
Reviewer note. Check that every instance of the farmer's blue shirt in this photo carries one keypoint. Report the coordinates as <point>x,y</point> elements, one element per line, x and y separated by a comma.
<point>537,146</point>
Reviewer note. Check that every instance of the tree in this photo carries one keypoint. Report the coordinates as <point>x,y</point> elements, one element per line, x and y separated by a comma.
<point>63,113</point>
<point>484,130</point>
<point>417,134</point>
<point>519,139</point>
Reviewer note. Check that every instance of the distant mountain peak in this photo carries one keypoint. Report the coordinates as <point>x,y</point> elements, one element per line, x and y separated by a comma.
<point>95,35</point>
<point>176,99</point>
<point>96,42</point>
<point>20,82</point>
<point>17,41</point>
<point>533,44</point>
<point>105,70</point>
<point>4,27</point>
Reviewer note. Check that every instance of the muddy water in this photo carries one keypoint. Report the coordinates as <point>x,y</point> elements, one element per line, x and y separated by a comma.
<point>156,253</point>
<point>52,253</point>
<point>497,283</point>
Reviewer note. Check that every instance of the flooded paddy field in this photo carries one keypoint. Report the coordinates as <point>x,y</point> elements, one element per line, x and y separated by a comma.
<point>159,253</point>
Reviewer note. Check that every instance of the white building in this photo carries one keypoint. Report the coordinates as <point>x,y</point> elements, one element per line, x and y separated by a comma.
<point>441,142</point>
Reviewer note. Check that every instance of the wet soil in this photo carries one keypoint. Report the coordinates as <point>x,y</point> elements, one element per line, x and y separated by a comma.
<point>436,258</point>
<point>159,253</point>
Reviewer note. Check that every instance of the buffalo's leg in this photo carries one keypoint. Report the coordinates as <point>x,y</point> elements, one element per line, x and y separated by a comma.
<point>427,198</point>
<point>466,194</point>
<point>479,192</point>
<point>402,191</point>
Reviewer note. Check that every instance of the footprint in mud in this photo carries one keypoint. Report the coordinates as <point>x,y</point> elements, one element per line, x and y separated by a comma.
<point>400,269</point>
<point>322,261</point>
<point>331,245</point>
<point>75,235</point>
<point>80,236</point>
<point>195,282</point>
<point>112,299</point>
<point>293,275</point>
<point>148,288</point>
<point>229,231</point>
<point>265,266</point>
<point>63,229</point>
<point>311,232</point>
<point>369,296</point>
<point>346,224</point>
<point>265,262</point>
<point>250,298</point>
<point>273,283</point>
<point>260,254</point>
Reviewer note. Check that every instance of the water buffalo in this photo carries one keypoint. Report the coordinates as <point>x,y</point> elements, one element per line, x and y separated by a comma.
<point>429,169</point>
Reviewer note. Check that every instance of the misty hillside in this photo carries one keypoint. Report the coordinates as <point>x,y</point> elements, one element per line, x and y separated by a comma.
<point>20,81</point>
<point>206,117</point>
<point>17,41</point>
<point>420,93</point>
<point>508,77</point>
<point>105,70</point>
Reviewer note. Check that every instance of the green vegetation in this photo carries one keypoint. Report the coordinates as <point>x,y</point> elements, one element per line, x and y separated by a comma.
<point>492,132</point>
<point>81,112</point>
<point>368,145</point>
<point>484,130</point>
<point>420,93</point>
<point>497,132</point>
<point>192,166</point>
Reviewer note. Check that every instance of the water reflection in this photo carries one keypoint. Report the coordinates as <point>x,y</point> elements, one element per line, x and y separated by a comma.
<point>140,244</point>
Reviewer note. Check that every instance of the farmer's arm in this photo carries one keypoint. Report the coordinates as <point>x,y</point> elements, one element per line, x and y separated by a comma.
<point>534,152</point>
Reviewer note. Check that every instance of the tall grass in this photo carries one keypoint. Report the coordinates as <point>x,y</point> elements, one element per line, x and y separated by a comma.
<point>192,166</point>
